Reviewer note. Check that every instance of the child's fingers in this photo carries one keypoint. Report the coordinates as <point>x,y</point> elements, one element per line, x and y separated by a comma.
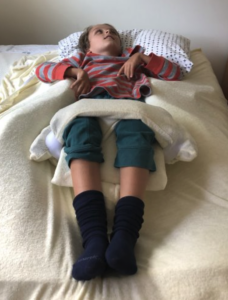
<point>82,89</point>
<point>73,84</point>
<point>128,70</point>
<point>120,70</point>
<point>132,72</point>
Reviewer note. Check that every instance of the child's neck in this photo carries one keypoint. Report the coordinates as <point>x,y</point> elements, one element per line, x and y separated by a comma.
<point>105,53</point>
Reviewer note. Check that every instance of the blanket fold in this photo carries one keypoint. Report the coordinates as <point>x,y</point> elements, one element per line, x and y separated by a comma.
<point>20,81</point>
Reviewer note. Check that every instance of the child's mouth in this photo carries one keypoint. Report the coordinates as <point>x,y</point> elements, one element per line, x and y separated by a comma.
<point>109,36</point>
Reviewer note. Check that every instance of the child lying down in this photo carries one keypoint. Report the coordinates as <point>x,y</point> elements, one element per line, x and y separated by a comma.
<point>102,70</point>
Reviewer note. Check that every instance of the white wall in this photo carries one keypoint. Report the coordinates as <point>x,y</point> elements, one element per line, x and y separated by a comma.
<point>204,22</point>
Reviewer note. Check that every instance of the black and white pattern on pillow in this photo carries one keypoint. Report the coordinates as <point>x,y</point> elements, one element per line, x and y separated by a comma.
<point>174,47</point>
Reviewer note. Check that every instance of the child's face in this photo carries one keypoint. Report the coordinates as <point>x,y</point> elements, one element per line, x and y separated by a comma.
<point>104,40</point>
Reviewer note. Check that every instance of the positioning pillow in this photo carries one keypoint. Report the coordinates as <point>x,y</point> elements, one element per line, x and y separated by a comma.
<point>175,48</point>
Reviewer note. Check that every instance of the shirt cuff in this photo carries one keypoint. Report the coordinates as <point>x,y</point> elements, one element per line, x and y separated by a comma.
<point>155,64</point>
<point>59,71</point>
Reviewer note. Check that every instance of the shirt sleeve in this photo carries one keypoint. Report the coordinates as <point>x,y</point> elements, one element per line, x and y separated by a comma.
<point>50,71</point>
<point>162,68</point>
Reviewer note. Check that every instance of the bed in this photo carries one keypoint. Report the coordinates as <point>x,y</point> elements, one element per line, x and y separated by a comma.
<point>182,250</point>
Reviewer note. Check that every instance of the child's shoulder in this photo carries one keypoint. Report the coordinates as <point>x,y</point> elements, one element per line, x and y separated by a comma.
<point>131,50</point>
<point>77,56</point>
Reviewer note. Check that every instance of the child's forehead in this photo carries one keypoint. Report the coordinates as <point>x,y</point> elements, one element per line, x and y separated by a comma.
<point>102,26</point>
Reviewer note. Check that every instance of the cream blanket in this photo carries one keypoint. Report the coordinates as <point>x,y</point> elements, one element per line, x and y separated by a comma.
<point>20,82</point>
<point>182,250</point>
<point>173,138</point>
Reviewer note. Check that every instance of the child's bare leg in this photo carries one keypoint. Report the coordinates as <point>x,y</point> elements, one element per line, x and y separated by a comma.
<point>128,220</point>
<point>91,216</point>
<point>133,181</point>
<point>82,139</point>
<point>85,176</point>
<point>134,141</point>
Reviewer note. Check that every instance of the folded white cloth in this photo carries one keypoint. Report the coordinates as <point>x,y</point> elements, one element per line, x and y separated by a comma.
<point>176,142</point>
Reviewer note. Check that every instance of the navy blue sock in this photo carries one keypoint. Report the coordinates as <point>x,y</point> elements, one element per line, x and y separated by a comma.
<point>91,216</point>
<point>127,223</point>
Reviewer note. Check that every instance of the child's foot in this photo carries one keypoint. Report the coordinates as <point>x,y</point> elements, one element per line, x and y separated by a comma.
<point>127,223</point>
<point>92,262</point>
<point>120,254</point>
<point>91,217</point>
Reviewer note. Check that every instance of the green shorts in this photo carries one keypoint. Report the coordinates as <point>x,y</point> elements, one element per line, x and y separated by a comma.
<point>134,140</point>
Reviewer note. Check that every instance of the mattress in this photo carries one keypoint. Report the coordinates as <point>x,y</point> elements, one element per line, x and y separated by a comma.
<point>182,249</point>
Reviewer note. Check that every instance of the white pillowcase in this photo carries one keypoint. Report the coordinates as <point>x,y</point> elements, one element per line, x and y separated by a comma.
<point>175,48</point>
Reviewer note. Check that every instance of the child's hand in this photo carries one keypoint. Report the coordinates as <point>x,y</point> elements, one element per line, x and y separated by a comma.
<point>130,65</point>
<point>82,84</point>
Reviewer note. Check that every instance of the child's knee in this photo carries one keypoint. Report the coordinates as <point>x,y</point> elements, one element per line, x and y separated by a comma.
<point>134,141</point>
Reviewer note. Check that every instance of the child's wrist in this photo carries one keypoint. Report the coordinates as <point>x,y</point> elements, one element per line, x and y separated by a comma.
<point>70,73</point>
<point>145,58</point>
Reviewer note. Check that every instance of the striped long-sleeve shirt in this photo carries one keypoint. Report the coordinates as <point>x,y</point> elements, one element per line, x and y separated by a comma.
<point>102,71</point>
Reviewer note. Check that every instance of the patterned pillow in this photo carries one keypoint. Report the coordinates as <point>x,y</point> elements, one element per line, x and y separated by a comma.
<point>175,48</point>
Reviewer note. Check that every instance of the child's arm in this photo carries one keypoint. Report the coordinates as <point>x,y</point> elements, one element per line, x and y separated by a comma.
<point>162,68</point>
<point>67,68</point>
<point>81,84</point>
<point>157,67</point>
<point>50,71</point>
